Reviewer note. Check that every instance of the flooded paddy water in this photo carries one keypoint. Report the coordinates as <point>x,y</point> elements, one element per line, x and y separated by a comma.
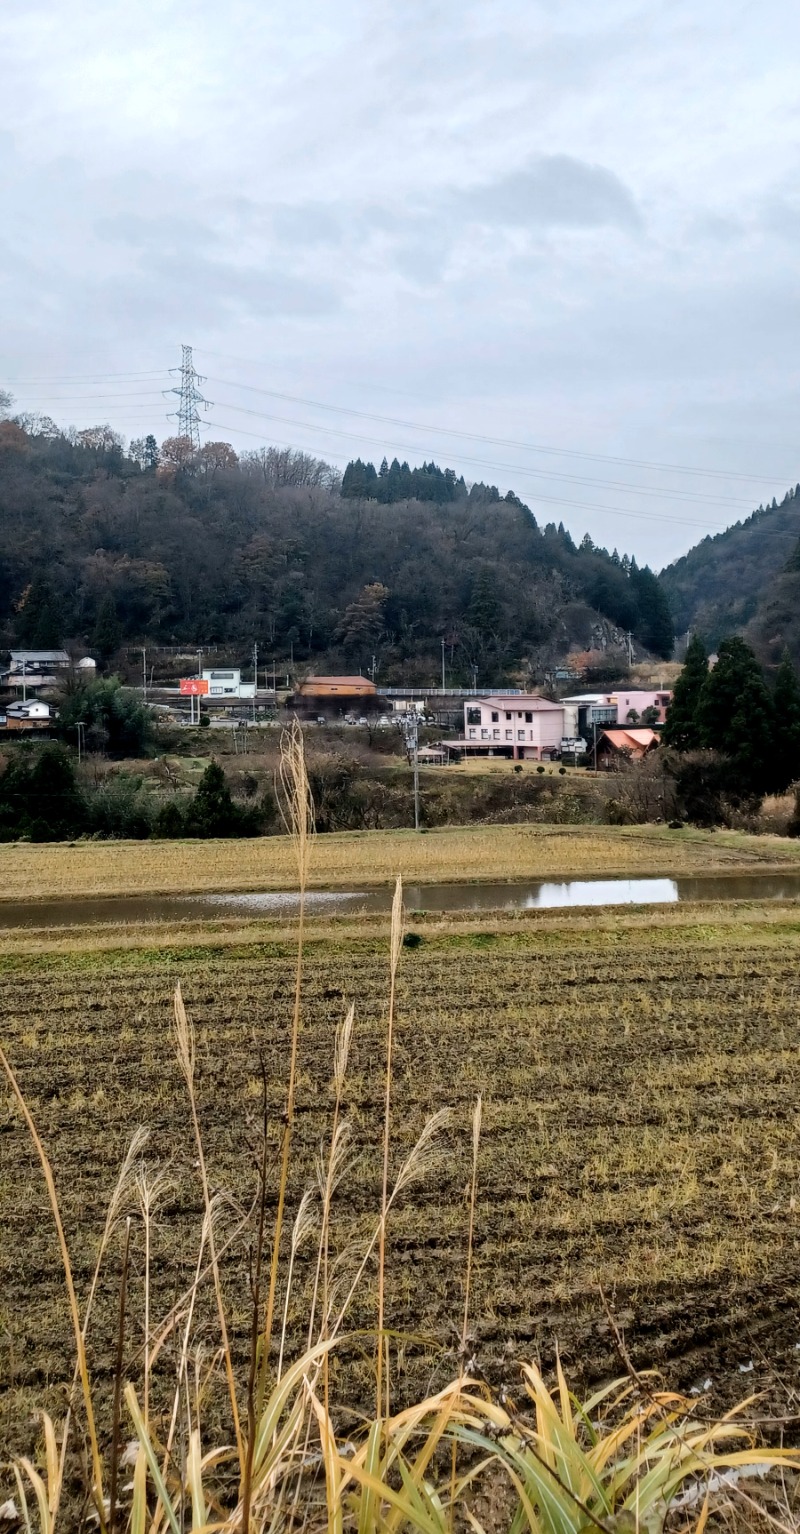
<point>496,895</point>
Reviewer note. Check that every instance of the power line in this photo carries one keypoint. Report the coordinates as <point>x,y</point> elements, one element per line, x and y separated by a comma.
<point>615,511</point>
<point>508,468</point>
<point>529,447</point>
<point>79,399</point>
<point>90,377</point>
<point>549,474</point>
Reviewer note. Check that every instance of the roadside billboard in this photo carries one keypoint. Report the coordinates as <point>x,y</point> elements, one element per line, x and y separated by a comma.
<point>194,687</point>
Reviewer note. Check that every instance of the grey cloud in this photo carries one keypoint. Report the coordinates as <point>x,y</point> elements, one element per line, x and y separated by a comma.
<point>781,216</point>
<point>553,191</point>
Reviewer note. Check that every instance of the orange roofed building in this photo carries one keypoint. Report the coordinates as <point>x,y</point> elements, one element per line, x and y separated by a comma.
<point>337,687</point>
<point>631,744</point>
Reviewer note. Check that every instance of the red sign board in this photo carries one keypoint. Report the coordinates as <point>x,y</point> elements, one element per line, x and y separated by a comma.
<point>193,687</point>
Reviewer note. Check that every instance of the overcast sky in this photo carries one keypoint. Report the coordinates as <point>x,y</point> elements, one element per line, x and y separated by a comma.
<point>552,223</point>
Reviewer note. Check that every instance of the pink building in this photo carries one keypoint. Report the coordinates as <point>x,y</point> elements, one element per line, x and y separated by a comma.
<point>636,702</point>
<point>517,725</point>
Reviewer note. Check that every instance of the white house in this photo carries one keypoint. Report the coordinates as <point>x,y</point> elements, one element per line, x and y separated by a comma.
<point>35,714</point>
<point>523,726</point>
<point>228,683</point>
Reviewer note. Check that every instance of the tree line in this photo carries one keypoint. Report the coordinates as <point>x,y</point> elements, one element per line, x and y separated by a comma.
<point>107,547</point>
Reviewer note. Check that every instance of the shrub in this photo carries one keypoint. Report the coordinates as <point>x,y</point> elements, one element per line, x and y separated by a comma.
<point>212,812</point>
<point>171,819</point>
<point>40,798</point>
<point>121,807</point>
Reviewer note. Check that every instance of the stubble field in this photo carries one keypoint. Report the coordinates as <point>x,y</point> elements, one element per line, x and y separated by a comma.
<point>31,872</point>
<point>640,1074</point>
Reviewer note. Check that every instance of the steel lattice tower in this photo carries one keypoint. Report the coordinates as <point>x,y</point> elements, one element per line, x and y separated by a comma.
<point>189,400</point>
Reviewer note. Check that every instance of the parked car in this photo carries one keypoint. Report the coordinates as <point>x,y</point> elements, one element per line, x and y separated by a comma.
<point>363,720</point>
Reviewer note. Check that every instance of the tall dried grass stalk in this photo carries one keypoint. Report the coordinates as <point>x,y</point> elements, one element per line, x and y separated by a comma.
<point>304,1226</point>
<point>148,1190</point>
<point>118,1367</point>
<point>183,1034</point>
<point>339,1143</point>
<point>187,1332</point>
<point>477,1118</point>
<point>297,809</point>
<point>80,1343</point>
<point>420,1159</point>
<point>395,946</point>
<point>136,1146</point>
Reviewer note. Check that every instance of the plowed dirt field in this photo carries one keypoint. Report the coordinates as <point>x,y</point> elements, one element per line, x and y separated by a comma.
<point>640,1075</point>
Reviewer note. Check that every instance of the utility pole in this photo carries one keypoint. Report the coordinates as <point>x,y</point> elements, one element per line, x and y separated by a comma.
<point>594,728</point>
<point>24,683</point>
<point>144,674</point>
<point>444,683</point>
<point>411,732</point>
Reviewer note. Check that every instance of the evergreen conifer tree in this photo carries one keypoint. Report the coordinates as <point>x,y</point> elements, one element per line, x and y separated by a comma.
<point>736,717</point>
<point>40,623</point>
<point>786,737</point>
<point>485,608</point>
<point>212,812</point>
<point>682,729</point>
<point>107,632</point>
<point>654,626</point>
<point>793,562</point>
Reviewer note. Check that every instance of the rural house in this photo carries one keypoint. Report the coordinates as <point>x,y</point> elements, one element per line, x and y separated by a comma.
<point>32,715</point>
<point>523,726</point>
<point>329,696</point>
<point>347,687</point>
<point>631,744</point>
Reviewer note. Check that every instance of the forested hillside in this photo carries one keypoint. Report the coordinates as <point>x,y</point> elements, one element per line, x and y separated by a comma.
<point>736,582</point>
<point>105,547</point>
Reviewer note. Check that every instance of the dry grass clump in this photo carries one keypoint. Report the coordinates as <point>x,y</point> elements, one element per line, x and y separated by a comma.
<point>352,859</point>
<point>291,1453</point>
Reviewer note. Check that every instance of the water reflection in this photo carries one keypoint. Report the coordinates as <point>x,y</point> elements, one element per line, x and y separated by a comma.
<point>495,895</point>
<point>604,892</point>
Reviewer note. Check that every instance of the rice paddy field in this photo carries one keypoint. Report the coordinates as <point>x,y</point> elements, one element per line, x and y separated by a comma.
<point>31,872</point>
<point>641,1141</point>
